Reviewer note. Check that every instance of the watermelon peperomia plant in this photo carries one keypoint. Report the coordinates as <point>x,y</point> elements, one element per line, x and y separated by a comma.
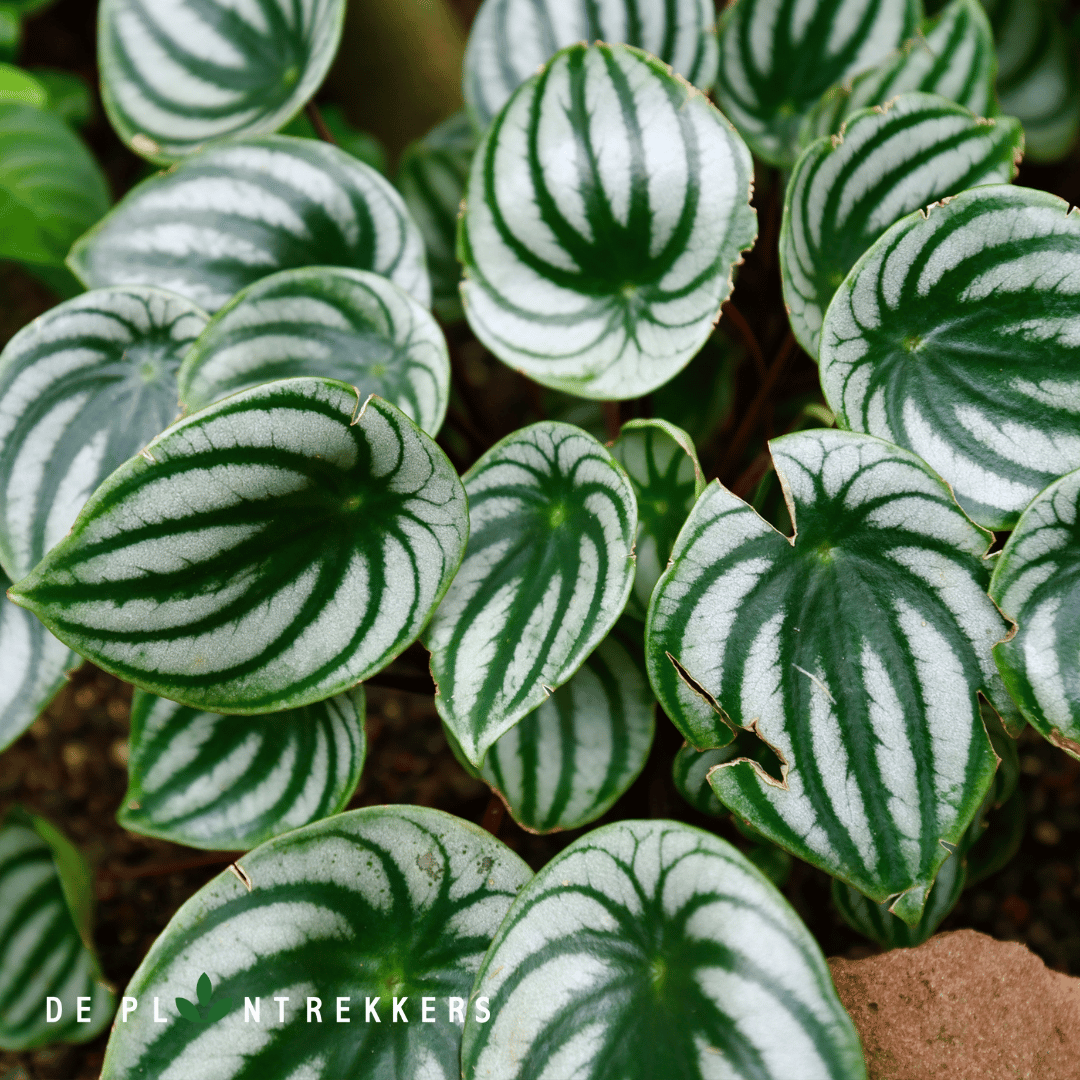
<point>236,471</point>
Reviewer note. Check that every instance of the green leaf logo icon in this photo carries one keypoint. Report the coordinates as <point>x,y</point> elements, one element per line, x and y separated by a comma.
<point>215,1009</point>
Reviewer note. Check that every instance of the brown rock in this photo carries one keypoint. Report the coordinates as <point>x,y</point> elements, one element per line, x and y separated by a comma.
<point>962,1006</point>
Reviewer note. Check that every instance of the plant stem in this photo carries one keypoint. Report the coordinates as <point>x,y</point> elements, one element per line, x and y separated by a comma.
<point>750,340</point>
<point>493,815</point>
<point>319,124</point>
<point>612,419</point>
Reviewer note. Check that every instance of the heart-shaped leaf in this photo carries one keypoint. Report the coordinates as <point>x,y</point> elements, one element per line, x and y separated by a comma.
<point>431,179</point>
<point>854,650</point>
<point>343,920</point>
<point>33,667</point>
<point>953,56</point>
<point>236,212</point>
<point>607,206</point>
<point>547,572</point>
<point>51,188</point>
<point>510,39</point>
<point>1036,582</point>
<point>1038,76</point>
<point>567,762</point>
<point>174,76</point>
<point>46,946</point>
<point>662,464</point>
<point>954,336</point>
<point>230,782</point>
<point>351,325</point>
<point>652,949</point>
<point>778,58</point>
<point>846,190</point>
<point>82,389</point>
<point>272,550</point>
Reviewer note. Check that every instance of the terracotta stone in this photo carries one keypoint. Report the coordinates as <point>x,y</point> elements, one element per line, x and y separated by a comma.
<point>963,1006</point>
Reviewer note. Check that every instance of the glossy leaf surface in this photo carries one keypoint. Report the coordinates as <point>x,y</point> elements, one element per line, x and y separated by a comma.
<point>46,946</point>
<point>351,325</point>
<point>567,762</point>
<point>228,783</point>
<point>648,949</point>
<point>236,212</point>
<point>431,179</point>
<point>1036,582</point>
<point>51,188</point>
<point>607,207</point>
<point>270,551</point>
<point>510,39</point>
<point>662,464</point>
<point>778,58</point>
<point>82,389</point>
<point>379,906</point>
<point>174,76</point>
<point>846,190</point>
<point>690,774</point>
<point>546,573</point>
<point>954,336</point>
<point>863,640</point>
<point>952,56</point>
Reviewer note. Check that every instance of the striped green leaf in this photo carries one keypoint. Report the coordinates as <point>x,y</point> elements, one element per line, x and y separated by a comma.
<point>51,188</point>
<point>777,59</point>
<point>391,904</point>
<point>351,325</point>
<point>510,39</point>
<point>33,667</point>
<point>236,212</point>
<point>231,782</point>
<point>652,949</point>
<point>269,551</point>
<point>46,939</point>
<point>607,206</point>
<point>547,571</point>
<point>952,56</point>
<point>846,190</point>
<point>955,336</point>
<point>1038,74</point>
<point>567,762</point>
<point>662,464</point>
<point>175,76</point>
<point>1036,582</point>
<point>853,650</point>
<point>431,179</point>
<point>82,389</point>
<point>690,774</point>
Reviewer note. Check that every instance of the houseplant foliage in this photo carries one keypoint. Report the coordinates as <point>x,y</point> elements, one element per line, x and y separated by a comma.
<point>220,481</point>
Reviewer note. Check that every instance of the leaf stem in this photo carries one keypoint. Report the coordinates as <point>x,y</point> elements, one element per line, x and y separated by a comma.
<point>738,320</point>
<point>493,815</point>
<point>319,124</point>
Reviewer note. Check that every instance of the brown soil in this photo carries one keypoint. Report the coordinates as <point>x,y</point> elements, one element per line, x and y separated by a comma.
<point>962,1006</point>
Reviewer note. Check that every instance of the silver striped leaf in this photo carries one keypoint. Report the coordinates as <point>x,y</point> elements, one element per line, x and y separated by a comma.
<point>1036,582</point>
<point>952,56</point>
<point>33,667</point>
<point>778,58</point>
<point>228,783</point>
<point>177,75</point>
<point>957,335</point>
<point>385,905</point>
<point>607,207</point>
<point>51,187</point>
<point>46,939</point>
<point>846,190</point>
<point>853,650</point>
<point>662,464</point>
<point>82,389</point>
<point>431,178</point>
<point>1038,74</point>
<point>351,325</point>
<point>234,213</point>
<point>547,571</point>
<point>568,761</point>
<point>270,551</point>
<point>690,774</point>
<point>510,39</point>
<point>653,949</point>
